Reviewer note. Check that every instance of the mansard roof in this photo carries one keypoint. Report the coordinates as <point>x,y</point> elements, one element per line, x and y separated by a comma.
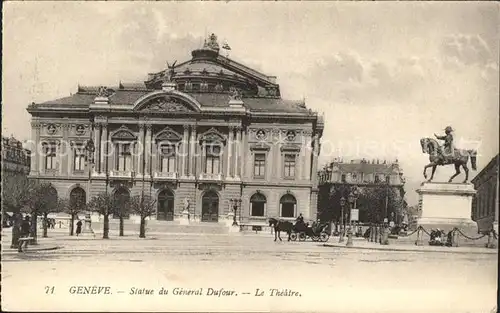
<point>208,77</point>
<point>86,96</point>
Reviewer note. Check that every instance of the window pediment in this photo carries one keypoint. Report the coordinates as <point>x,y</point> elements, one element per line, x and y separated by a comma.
<point>260,147</point>
<point>212,135</point>
<point>168,134</point>
<point>290,148</point>
<point>123,133</point>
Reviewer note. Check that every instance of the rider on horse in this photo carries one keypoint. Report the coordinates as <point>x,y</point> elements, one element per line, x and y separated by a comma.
<point>449,151</point>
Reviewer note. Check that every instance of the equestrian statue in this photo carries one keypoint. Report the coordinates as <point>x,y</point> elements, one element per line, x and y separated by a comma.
<point>447,154</point>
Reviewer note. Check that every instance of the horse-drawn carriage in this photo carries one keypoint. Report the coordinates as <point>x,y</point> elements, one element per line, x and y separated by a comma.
<point>299,230</point>
<point>302,231</point>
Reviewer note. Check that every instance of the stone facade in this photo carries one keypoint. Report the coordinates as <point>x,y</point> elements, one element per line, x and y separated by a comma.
<point>485,204</point>
<point>209,130</point>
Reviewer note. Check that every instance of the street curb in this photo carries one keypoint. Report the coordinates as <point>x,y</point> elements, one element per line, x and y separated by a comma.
<point>14,251</point>
<point>494,251</point>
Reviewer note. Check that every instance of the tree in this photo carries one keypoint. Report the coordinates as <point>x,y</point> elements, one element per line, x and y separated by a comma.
<point>103,204</point>
<point>74,206</point>
<point>144,206</point>
<point>42,199</point>
<point>121,208</point>
<point>373,201</point>
<point>51,204</point>
<point>16,191</point>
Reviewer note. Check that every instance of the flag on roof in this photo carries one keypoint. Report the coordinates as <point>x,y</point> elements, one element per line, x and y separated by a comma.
<point>226,46</point>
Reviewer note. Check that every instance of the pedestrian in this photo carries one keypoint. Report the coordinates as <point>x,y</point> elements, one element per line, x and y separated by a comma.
<point>78,228</point>
<point>25,233</point>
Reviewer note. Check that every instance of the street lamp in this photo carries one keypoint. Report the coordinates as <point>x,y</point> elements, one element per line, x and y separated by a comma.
<point>235,203</point>
<point>90,149</point>
<point>342,204</point>
<point>353,195</point>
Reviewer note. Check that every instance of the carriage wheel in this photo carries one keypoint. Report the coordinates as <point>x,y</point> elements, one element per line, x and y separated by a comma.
<point>293,236</point>
<point>324,237</point>
<point>302,236</point>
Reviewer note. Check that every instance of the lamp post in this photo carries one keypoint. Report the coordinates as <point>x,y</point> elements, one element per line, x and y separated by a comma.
<point>235,203</point>
<point>342,204</point>
<point>90,149</point>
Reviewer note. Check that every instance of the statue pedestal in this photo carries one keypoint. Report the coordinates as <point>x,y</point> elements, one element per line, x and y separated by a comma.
<point>184,219</point>
<point>446,206</point>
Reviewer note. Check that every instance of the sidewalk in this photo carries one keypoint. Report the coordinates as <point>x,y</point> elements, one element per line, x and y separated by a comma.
<point>366,245</point>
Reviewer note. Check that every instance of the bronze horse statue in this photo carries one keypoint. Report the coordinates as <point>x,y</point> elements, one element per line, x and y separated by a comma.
<point>437,157</point>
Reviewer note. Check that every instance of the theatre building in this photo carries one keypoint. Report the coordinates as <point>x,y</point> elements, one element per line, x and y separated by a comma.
<point>208,134</point>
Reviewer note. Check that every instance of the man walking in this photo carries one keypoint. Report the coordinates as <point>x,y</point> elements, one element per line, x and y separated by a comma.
<point>25,233</point>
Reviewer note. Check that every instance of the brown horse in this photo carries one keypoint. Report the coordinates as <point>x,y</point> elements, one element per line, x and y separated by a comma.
<point>279,226</point>
<point>436,157</point>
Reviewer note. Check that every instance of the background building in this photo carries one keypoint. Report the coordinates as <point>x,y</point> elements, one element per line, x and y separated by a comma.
<point>485,203</point>
<point>209,134</point>
<point>380,185</point>
<point>15,158</point>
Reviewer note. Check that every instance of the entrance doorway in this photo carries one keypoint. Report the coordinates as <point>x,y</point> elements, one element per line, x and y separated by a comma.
<point>166,205</point>
<point>210,207</point>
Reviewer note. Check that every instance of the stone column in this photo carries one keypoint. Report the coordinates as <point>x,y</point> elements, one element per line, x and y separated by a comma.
<point>229,151</point>
<point>237,164</point>
<point>104,157</point>
<point>41,150</point>
<point>148,150</point>
<point>184,148</point>
<point>141,149</point>
<point>97,135</point>
<point>192,153</point>
<point>154,157</point>
<point>66,151</point>
<point>298,164</point>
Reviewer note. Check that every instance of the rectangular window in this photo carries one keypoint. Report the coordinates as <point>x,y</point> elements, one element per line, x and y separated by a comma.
<point>212,160</point>
<point>343,179</point>
<point>50,157</point>
<point>124,162</point>
<point>168,159</point>
<point>259,165</point>
<point>78,159</point>
<point>289,165</point>
<point>377,179</point>
<point>388,179</point>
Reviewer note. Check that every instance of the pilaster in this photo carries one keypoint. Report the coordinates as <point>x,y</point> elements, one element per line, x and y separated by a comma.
<point>67,152</point>
<point>98,148</point>
<point>308,153</point>
<point>229,154</point>
<point>237,153</point>
<point>35,148</point>
<point>192,153</point>
<point>104,155</point>
<point>314,177</point>
<point>97,134</point>
<point>148,150</point>
<point>141,150</point>
<point>184,156</point>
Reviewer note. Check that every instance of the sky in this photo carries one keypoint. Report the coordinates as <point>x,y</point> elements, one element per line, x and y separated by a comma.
<point>385,74</point>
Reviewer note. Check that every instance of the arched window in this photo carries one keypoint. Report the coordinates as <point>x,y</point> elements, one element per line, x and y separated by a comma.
<point>77,198</point>
<point>288,206</point>
<point>122,199</point>
<point>165,205</point>
<point>257,205</point>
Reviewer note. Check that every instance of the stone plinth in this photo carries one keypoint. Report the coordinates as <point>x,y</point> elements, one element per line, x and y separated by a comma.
<point>446,206</point>
<point>184,219</point>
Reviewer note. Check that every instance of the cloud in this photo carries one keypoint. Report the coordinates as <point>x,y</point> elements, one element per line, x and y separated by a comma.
<point>467,50</point>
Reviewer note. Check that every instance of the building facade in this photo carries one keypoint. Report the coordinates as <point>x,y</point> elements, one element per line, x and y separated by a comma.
<point>208,134</point>
<point>485,203</point>
<point>337,178</point>
<point>15,158</point>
